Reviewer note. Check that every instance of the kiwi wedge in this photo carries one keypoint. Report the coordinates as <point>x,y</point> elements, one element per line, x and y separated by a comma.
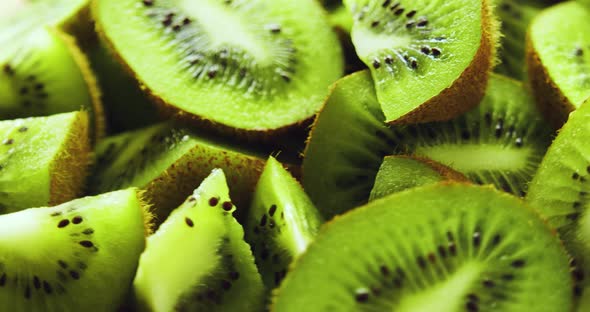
<point>244,67</point>
<point>448,46</point>
<point>282,222</point>
<point>218,271</point>
<point>398,173</point>
<point>43,160</point>
<point>559,190</point>
<point>42,69</point>
<point>515,17</point>
<point>558,58</point>
<point>78,256</point>
<point>500,142</point>
<point>445,247</point>
<point>168,161</point>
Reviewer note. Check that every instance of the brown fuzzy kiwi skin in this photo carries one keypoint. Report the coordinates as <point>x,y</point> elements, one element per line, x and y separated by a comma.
<point>69,170</point>
<point>467,91</point>
<point>170,189</point>
<point>446,172</point>
<point>99,127</point>
<point>550,100</point>
<point>166,110</point>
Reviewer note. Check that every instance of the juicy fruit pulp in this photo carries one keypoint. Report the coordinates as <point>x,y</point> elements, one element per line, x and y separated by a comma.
<point>559,58</point>
<point>44,160</point>
<point>217,272</point>
<point>281,224</point>
<point>429,59</point>
<point>250,65</point>
<point>437,248</point>
<point>72,257</point>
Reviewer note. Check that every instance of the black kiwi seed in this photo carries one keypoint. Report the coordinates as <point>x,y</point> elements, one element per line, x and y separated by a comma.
<point>62,264</point>
<point>376,63</point>
<point>435,52</point>
<point>375,24</point>
<point>75,275</point>
<point>263,220</point>
<point>386,3</point>
<point>234,275</point>
<point>411,13</point>
<point>8,69</point>
<point>189,222</point>
<point>227,206</point>
<point>63,223</point>
<point>476,239</point>
<point>578,52</point>
<point>36,282</point>
<point>361,296</point>
<point>399,11</point>
<point>213,201</point>
<point>77,220</point>
<point>88,231</point>
<point>575,176</point>
<point>272,210</point>
<point>148,2</point>
<point>8,141</point>
<point>518,263</point>
<point>86,244</point>
<point>47,287</point>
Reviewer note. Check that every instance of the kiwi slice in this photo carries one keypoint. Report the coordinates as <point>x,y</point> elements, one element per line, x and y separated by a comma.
<point>43,160</point>
<point>558,54</point>
<point>78,256</point>
<point>500,142</point>
<point>398,173</point>
<point>445,247</point>
<point>515,17</point>
<point>246,67</point>
<point>559,190</point>
<point>219,273</point>
<point>282,222</point>
<point>167,161</point>
<point>448,46</point>
<point>43,71</point>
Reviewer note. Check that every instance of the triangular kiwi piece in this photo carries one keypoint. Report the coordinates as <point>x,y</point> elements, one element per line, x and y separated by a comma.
<point>168,160</point>
<point>560,189</point>
<point>558,59</point>
<point>444,247</point>
<point>216,271</point>
<point>78,256</point>
<point>42,69</point>
<point>43,160</point>
<point>500,142</point>
<point>282,222</point>
<point>243,67</point>
<point>398,173</point>
<point>429,59</point>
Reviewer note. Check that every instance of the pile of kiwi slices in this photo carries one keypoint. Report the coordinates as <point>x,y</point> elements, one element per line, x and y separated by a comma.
<point>294,155</point>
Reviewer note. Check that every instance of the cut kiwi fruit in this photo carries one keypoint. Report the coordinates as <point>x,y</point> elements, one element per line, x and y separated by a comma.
<point>558,57</point>
<point>515,17</point>
<point>78,256</point>
<point>249,68</point>
<point>448,46</point>
<point>398,173</point>
<point>500,142</point>
<point>43,160</point>
<point>218,271</point>
<point>559,190</point>
<point>282,221</point>
<point>445,247</point>
<point>43,71</point>
<point>168,161</point>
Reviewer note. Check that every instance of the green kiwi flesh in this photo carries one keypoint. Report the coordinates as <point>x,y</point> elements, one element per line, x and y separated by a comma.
<point>558,57</point>
<point>78,256</point>
<point>44,160</point>
<point>246,65</point>
<point>515,17</point>
<point>444,247</point>
<point>559,190</point>
<point>212,268</point>
<point>447,46</point>
<point>167,161</point>
<point>398,173</point>
<point>282,222</point>
<point>500,142</point>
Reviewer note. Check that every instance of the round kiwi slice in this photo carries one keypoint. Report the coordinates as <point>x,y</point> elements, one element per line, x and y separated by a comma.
<point>167,161</point>
<point>515,17</point>
<point>218,271</point>
<point>398,173</point>
<point>282,221</point>
<point>42,70</point>
<point>246,67</point>
<point>500,142</point>
<point>43,160</point>
<point>446,247</point>
<point>559,190</point>
<point>429,59</point>
<point>78,256</point>
<point>558,57</point>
